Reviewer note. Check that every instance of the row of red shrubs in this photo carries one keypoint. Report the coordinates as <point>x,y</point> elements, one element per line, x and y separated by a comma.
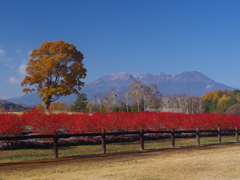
<point>47,123</point>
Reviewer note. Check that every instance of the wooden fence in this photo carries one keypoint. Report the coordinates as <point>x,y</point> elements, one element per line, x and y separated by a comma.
<point>141,133</point>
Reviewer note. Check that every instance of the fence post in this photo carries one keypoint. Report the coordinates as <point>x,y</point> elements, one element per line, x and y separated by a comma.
<point>197,136</point>
<point>103,141</point>
<point>172,137</point>
<point>55,144</point>
<point>141,139</point>
<point>219,135</point>
<point>236,134</point>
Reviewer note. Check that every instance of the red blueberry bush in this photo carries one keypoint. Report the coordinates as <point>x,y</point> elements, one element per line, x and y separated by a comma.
<point>10,124</point>
<point>42,122</point>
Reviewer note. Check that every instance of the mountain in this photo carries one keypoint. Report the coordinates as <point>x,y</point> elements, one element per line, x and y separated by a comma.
<point>192,83</point>
<point>12,106</point>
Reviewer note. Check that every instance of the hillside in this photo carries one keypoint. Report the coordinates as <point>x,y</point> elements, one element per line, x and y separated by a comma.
<point>9,106</point>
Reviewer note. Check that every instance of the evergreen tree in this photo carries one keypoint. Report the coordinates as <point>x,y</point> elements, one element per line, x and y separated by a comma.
<point>80,103</point>
<point>207,105</point>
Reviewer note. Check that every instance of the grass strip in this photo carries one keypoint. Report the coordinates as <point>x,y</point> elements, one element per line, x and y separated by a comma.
<point>32,154</point>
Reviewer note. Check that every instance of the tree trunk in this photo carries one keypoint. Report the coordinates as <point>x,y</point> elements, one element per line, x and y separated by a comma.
<point>48,102</point>
<point>47,105</point>
<point>127,106</point>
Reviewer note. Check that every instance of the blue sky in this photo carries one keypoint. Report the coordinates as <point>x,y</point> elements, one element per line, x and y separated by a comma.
<point>140,36</point>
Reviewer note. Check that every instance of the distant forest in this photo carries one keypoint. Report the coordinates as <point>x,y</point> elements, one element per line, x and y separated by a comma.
<point>148,98</point>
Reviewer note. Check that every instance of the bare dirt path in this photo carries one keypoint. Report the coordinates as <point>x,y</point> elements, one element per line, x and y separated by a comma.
<point>197,162</point>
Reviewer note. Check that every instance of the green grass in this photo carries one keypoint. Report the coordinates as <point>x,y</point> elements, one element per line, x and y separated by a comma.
<point>55,111</point>
<point>203,140</point>
<point>31,154</point>
<point>24,154</point>
<point>60,111</point>
<point>13,112</point>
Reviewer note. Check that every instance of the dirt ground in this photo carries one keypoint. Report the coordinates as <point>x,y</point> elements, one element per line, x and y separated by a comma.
<point>195,162</point>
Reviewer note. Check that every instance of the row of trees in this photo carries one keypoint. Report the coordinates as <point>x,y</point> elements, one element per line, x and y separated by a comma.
<point>139,97</point>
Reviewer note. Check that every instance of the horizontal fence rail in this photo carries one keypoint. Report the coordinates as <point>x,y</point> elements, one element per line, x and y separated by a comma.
<point>141,133</point>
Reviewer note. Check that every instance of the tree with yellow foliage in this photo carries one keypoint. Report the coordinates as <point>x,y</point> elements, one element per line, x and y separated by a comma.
<point>219,100</point>
<point>222,104</point>
<point>56,70</point>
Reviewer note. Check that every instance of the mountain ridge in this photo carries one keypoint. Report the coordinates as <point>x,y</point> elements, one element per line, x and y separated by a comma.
<point>192,83</point>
